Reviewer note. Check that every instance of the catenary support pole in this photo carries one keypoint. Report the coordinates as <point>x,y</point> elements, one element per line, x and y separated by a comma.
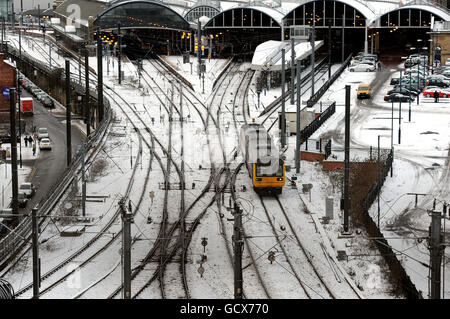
<point>343,38</point>
<point>292,71</point>
<point>100,78</point>
<point>83,180</point>
<point>297,136</point>
<point>120,53</point>
<point>283,114</point>
<point>238,245</point>
<point>127,219</point>
<point>87,109</point>
<point>35,245</point>
<point>347,159</point>
<point>313,60</point>
<point>435,255</point>
<point>378,180</point>
<point>68,115</point>
<point>14,177</point>
<point>329,52</point>
<point>392,135</point>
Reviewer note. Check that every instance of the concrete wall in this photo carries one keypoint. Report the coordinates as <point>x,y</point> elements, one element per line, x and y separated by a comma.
<point>443,39</point>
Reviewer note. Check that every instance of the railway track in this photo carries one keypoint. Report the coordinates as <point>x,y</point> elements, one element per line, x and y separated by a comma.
<point>84,248</point>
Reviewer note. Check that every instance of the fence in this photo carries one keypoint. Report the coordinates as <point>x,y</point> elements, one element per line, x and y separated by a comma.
<point>399,274</point>
<point>313,99</point>
<point>318,121</point>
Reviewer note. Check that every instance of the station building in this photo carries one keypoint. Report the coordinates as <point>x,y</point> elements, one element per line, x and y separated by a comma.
<point>237,27</point>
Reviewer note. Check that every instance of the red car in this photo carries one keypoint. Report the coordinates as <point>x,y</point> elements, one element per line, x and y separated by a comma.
<point>430,92</point>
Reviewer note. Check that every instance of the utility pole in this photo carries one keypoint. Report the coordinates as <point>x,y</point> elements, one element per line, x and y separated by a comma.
<point>313,49</point>
<point>68,115</point>
<point>435,255</point>
<point>50,55</point>
<point>36,263</point>
<point>100,77</point>
<point>238,246</point>
<point>127,219</point>
<point>87,110</point>
<point>297,150</point>
<point>12,116</point>
<point>347,158</point>
<point>292,69</point>
<point>120,53</point>
<point>199,56</point>
<point>283,114</point>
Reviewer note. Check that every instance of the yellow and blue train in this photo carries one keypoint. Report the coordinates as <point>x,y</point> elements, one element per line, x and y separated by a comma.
<point>264,163</point>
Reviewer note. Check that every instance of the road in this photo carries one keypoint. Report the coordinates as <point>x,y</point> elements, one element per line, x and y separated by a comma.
<point>49,164</point>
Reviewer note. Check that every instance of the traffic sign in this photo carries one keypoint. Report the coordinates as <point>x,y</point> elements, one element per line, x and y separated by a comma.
<point>5,92</point>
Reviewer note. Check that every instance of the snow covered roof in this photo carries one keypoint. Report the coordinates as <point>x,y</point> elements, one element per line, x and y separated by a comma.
<point>268,54</point>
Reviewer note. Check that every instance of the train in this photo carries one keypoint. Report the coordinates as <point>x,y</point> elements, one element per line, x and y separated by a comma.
<point>264,163</point>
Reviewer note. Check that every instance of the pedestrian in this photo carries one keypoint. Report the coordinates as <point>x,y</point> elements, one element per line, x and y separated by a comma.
<point>436,96</point>
<point>34,149</point>
<point>30,141</point>
<point>379,66</point>
<point>25,138</point>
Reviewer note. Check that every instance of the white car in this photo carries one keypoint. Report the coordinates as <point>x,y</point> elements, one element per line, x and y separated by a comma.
<point>45,144</point>
<point>28,189</point>
<point>42,132</point>
<point>362,68</point>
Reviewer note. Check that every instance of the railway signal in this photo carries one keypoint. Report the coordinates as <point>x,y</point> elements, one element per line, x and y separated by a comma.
<point>204,243</point>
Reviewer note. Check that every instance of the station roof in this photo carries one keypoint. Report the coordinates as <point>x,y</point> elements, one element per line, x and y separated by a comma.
<point>81,10</point>
<point>141,14</point>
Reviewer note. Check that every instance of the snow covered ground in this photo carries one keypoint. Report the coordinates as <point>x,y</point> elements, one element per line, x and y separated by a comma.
<point>101,276</point>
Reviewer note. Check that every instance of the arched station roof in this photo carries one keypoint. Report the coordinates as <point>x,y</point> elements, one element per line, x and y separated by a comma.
<point>141,14</point>
<point>329,13</point>
<point>412,16</point>
<point>199,11</point>
<point>246,17</point>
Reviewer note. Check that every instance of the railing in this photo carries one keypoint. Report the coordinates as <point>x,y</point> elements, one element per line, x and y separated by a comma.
<point>398,273</point>
<point>318,121</point>
<point>313,99</point>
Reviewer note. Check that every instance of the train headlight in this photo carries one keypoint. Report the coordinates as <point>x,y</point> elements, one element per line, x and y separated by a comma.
<point>279,178</point>
<point>258,179</point>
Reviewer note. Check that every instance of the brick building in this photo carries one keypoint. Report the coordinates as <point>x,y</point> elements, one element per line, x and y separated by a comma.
<point>440,37</point>
<point>7,79</point>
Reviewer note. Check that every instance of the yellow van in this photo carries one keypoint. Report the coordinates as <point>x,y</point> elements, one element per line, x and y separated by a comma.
<point>363,91</point>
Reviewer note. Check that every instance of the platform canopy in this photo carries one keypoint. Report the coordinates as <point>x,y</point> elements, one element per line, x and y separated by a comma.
<point>141,15</point>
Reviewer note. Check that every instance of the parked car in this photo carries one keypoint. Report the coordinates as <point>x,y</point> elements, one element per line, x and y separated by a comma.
<point>44,144</point>
<point>22,199</point>
<point>362,67</point>
<point>28,189</point>
<point>42,133</point>
<point>402,90</point>
<point>429,92</point>
<point>437,82</point>
<point>395,81</point>
<point>48,102</point>
<point>397,97</point>
<point>412,88</point>
<point>410,62</point>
